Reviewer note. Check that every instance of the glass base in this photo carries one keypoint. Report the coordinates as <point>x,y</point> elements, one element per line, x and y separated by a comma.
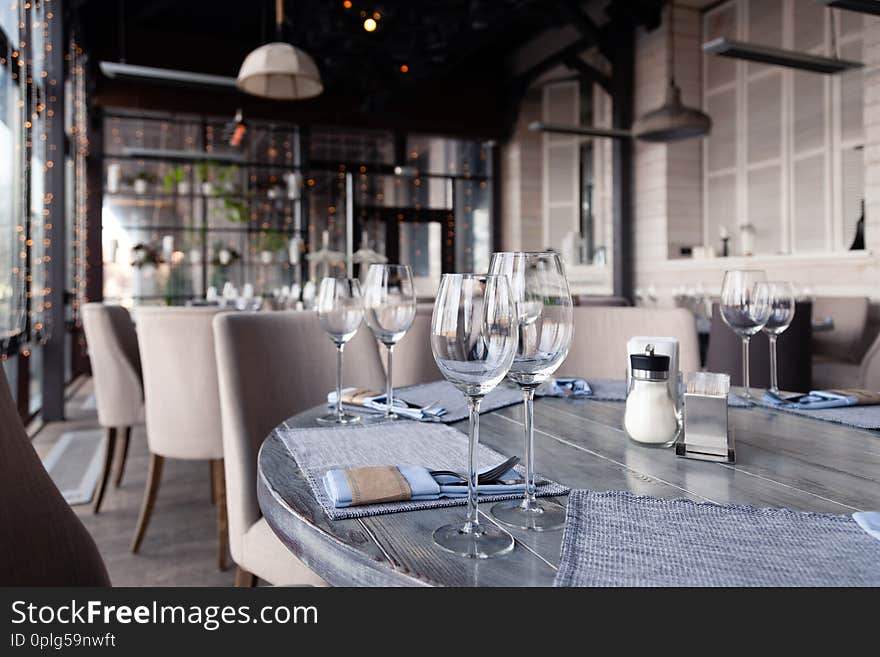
<point>537,516</point>
<point>333,418</point>
<point>484,542</point>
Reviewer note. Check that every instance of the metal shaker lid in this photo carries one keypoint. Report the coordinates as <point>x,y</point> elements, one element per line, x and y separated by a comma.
<point>649,366</point>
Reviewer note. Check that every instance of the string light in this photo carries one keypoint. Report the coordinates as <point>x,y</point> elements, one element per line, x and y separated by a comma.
<point>370,24</point>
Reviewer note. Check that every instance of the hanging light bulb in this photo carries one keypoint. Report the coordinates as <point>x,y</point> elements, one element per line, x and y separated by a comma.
<point>279,70</point>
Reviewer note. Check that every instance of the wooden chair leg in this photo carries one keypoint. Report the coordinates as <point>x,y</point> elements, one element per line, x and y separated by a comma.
<point>218,477</point>
<point>153,476</point>
<point>123,456</point>
<point>245,579</point>
<point>109,445</point>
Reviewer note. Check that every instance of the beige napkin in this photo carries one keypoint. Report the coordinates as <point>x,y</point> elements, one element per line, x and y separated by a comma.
<point>375,484</point>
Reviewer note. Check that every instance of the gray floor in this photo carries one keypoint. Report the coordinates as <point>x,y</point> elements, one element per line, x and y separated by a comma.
<point>180,546</point>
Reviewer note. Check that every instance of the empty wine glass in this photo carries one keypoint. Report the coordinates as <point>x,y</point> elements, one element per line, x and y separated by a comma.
<point>389,308</point>
<point>340,311</point>
<point>473,339</point>
<point>544,330</point>
<point>744,309</point>
<point>781,302</point>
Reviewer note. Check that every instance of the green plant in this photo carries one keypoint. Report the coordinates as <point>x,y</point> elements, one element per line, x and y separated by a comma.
<point>173,177</point>
<point>143,255</point>
<point>236,211</point>
<point>272,240</point>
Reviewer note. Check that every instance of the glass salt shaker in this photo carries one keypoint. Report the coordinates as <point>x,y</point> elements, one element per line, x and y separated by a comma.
<point>651,415</point>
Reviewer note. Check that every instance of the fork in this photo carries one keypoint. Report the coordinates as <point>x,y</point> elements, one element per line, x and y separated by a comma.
<point>485,477</point>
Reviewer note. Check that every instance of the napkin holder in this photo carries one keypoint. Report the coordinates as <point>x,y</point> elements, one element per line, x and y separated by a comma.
<point>706,435</point>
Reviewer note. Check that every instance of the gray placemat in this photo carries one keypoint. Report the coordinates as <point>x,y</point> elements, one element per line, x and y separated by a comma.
<point>317,450</point>
<point>451,398</point>
<point>619,539</point>
<point>859,417</point>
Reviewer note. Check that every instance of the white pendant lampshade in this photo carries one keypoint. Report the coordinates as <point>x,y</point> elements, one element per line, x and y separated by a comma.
<point>279,70</point>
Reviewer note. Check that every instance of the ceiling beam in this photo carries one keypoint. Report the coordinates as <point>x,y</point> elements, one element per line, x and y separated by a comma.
<point>589,72</point>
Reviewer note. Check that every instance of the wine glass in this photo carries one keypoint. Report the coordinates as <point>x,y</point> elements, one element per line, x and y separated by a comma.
<point>340,311</point>
<point>544,329</point>
<point>744,309</point>
<point>780,299</point>
<point>473,339</point>
<point>389,308</point>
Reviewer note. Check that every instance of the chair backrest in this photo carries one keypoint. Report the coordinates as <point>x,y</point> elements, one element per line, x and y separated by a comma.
<point>598,349</point>
<point>792,352</point>
<point>850,315</point>
<point>413,361</point>
<point>180,381</point>
<point>116,366</point>
<point>272,366</point>
<point>42,542</point>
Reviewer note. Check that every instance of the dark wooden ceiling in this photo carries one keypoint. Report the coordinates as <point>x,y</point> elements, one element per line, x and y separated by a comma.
<point>456,53</point>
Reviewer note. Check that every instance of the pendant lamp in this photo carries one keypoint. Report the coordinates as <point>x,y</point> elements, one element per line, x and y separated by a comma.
<point>279,70</point>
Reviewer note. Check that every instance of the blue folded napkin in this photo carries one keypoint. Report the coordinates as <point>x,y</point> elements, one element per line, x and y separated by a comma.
<point>869,521</point>
<point>378,404</point>
<point>815,400</point>
<point>422,484</point>
<point>565,387</point>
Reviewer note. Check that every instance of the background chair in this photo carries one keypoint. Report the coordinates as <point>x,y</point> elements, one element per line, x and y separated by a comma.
<point>182,403</point>
<point>272,366</point>
<point>598,349</point>
<point>413,361</point>
<point>42,542</point>
<point>843,356</point>
<point>792,351</point>
<point>116,373</point>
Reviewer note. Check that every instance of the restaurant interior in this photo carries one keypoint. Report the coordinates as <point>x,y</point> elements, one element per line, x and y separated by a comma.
<point>449,293</point>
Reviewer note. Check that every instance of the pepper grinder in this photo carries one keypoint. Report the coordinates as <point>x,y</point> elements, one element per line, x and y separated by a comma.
<point>651,416</point>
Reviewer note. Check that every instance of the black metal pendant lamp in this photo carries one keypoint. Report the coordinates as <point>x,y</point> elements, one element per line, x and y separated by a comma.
<point>673,120</point>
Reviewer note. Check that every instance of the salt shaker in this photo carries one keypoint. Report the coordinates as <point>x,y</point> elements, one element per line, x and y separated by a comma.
<point>651,415</point>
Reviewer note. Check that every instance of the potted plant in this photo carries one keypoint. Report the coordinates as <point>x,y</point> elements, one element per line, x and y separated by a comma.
<point>145,258</point>
<point>175,180</point>
<point>142,182</point>
<point>269,244</point>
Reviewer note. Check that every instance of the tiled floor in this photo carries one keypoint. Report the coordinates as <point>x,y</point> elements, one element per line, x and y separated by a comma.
<point>180,546</point>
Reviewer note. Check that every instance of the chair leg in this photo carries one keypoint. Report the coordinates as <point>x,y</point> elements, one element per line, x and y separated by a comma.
<point>245,579</point>
<point>123,456</point>
<point>153,476</point>
<point>109,445</point>
<point>218,477</point>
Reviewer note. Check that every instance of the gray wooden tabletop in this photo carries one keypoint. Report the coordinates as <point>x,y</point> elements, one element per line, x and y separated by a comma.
<point>783,460</point>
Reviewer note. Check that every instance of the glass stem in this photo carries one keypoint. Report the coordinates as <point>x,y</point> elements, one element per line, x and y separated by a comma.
<point>473,522</point>
<point>774,383</point>
<point>339,347</point>
<point>529,447</point>
<point>746,339</point>
<point>389,388</point>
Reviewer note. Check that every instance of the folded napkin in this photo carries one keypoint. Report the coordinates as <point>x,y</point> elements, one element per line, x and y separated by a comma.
<point>373,400</point>
<point>819,399</point>
<point>397,483</point>
<point>869,521</point>
<point>565,387</point>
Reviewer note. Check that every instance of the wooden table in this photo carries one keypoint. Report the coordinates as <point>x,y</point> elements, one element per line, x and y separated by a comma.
<point>783,460</point>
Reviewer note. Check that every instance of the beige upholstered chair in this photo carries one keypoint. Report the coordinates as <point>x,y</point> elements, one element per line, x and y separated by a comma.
<point>598,349</point>
<point>840,357</point>
<point>272,366</point>
<point>116,372</point>
<point>182,403</point>
<point>413,360</point>
<point>42,542</point>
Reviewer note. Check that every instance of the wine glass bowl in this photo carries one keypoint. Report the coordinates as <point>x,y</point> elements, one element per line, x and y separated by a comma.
<point>473,340</point>
<point>744,308</point>
<point>390,308</point>
<point>340,310</point>
<point>545,327</point>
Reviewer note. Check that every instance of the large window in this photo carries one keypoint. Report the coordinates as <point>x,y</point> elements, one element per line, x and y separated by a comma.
<point>783,167</point>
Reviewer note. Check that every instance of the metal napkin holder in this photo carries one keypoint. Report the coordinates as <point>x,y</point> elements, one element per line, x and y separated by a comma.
<point>706,435</point>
